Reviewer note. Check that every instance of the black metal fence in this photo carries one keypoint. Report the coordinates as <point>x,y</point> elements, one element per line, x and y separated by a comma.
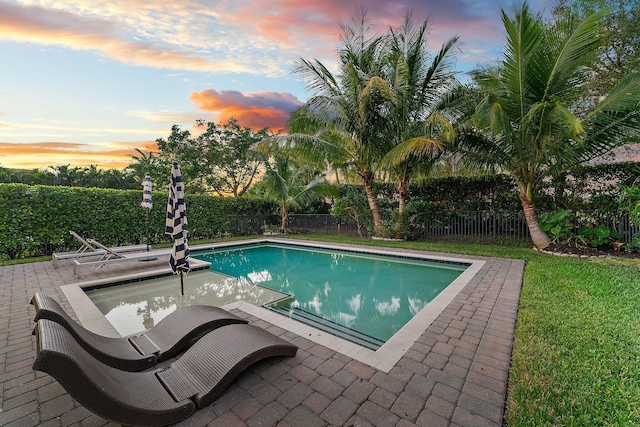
<point>492,227</point>
<point>297,224</point>
<point>474,227</point>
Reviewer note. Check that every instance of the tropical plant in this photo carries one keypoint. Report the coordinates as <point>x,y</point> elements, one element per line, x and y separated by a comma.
<point>558,225</point>
<point>630,202</point>
<point>149,162</point>
<point>291,184</point>
<point>419,123</point>
<point>340,122</point>
<point>527,122</point>
<point>598,236</point>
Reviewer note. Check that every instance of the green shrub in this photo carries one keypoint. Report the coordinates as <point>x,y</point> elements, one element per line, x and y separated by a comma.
<point>35,220</point>
<point>600,235</point>
<point>558,225</point>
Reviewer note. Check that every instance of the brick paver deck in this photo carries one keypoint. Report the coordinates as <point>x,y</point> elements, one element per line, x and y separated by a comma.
<point>454,375</point>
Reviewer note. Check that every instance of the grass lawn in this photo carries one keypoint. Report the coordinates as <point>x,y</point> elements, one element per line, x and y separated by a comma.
<point>576,358</point>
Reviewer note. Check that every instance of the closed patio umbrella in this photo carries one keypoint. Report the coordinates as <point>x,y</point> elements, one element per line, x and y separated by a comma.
<point>177,225</point>
<point>147,204</point>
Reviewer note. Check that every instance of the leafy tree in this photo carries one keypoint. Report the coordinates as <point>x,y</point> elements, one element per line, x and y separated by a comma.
<point>227,151</point>
<point>220,158</point>
<point>527,122</point>
<point>181,147</point>
<point>340,122</point>
<point>620,34</point>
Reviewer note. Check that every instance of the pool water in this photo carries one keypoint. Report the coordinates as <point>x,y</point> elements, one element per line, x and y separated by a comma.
<point>363,297</point>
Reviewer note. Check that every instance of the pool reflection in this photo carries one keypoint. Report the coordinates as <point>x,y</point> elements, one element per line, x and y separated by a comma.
<point>375,295</point>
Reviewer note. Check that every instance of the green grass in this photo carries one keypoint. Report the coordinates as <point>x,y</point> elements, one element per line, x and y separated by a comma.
<point>576,358</point>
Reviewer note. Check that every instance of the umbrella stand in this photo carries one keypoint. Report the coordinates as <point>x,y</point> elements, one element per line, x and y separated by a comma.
<point>147,223</point>
<point>149,258</point>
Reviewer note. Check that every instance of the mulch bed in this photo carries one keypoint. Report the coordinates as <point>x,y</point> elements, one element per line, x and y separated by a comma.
<point>603,251</point>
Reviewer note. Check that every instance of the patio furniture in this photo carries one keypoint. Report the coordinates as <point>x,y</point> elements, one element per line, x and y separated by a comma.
<point>111,256</point>
<point>155,397</point>
<point>89,250</point>
<point>170,336</point>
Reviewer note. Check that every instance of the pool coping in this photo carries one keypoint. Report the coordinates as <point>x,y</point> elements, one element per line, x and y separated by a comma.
<point>383,359</point>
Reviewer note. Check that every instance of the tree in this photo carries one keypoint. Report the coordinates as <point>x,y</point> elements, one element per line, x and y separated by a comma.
<point>291,184</point>
<point>151,163</point>
<point>220,158</point>
<point>181,147</point>
<point>418,120</point>
<point>619,53</point>
<point>527,122</point>
<point>340,122</point>
<point>227,151</point>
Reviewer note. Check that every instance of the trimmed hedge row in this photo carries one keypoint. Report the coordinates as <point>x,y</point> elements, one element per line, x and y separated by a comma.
<point>35,220</point>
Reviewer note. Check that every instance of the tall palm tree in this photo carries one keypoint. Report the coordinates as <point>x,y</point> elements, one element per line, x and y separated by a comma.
<point>418,120</point>
<point>339,121</point>
<point>528,123</point>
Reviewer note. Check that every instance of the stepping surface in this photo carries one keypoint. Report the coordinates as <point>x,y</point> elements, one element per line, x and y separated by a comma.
<point>455,374</point>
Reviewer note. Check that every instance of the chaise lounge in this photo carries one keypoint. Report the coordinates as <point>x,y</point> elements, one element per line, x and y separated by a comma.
<point>111,256</point>
<point>155,397</point>
<point>170,336</point>
<point>87,249</point>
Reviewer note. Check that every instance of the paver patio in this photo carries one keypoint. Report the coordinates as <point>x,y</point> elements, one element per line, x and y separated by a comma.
<point>454,375</point>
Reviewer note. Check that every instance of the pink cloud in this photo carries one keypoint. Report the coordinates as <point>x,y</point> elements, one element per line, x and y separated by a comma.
<point>36,24</point>
<point>254,110</point>
<point>314,26</point>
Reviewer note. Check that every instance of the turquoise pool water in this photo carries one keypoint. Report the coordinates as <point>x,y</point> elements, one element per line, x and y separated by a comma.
<point>367,297</point>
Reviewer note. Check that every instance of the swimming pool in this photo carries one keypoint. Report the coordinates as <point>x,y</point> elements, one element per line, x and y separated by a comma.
<point>361,297</point>
<point>134,307</point>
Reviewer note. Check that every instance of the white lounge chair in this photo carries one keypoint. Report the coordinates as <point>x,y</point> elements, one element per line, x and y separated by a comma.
<point>88,249</point>
<point>110,256</point>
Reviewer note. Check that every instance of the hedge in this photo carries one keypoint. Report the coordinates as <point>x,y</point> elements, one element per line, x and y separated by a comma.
<point>35,220</point>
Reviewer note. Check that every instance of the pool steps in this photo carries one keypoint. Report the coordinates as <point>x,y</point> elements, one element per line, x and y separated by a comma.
<point>325,325</point>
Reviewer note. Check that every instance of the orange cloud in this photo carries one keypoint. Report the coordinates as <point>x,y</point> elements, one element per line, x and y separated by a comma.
<point>254,110</point>
<point>114,155</point>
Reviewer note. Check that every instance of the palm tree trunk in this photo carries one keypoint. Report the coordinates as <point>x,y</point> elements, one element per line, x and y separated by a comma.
<point>285,214</point>
<point>373,206</point>
<point>403,195</point>
<point>539,237</point>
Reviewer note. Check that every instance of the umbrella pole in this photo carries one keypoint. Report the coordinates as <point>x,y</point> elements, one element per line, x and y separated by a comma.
<point>147,222</point>
<point>181,283</point>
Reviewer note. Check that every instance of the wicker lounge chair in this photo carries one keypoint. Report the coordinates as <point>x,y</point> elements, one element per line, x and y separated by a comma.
<point>163,341</point>
<point>155,397</point>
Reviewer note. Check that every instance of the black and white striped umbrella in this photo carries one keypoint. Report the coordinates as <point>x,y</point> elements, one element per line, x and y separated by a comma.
<point>177,225</point>
<point>146,204</point>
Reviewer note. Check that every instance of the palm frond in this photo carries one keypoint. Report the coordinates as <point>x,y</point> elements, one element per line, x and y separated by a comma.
<point>418,147</point>
<point>617,116</point>
<point>319,79</point>
<point>577,50</point>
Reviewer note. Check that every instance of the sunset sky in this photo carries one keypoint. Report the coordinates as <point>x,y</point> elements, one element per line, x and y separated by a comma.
<point>87,81</point>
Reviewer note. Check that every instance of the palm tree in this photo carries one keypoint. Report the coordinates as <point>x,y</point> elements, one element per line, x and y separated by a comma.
<point>339,121</point>
<point>293,185</point>
<point>419,122</point>
<point>527,121</point>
